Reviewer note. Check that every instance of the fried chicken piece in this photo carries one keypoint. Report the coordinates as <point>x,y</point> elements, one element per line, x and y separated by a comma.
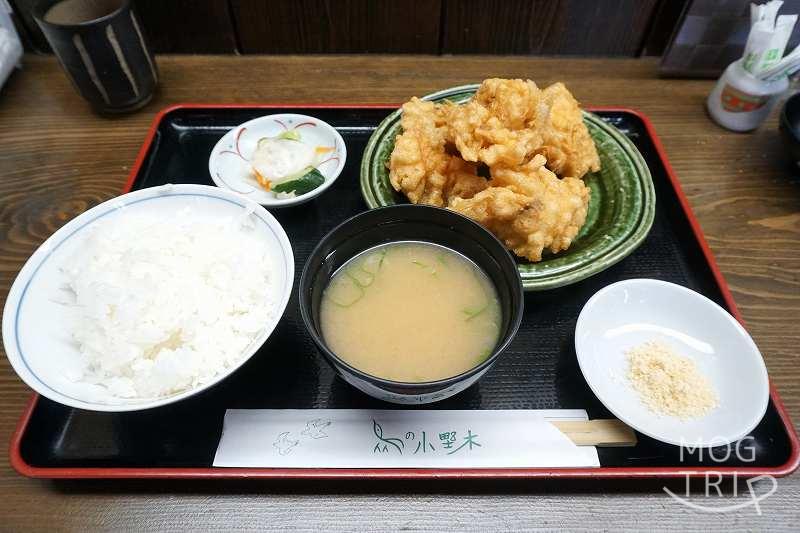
<point>491,127</point>
<point>527,180</point>
<point>530,209</point>
<point>512,102</point>
<point>420,167</point>
<point>509,121</point>
<point>418,163</point>
<point>526,136</point>
<point>566,142</point>
<point>462,180</point>
<point>562,206</point>
<point>493,207</point>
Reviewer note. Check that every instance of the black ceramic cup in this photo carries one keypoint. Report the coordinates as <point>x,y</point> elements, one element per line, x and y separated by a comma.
<point>411,223</point>
<point>102,48</point>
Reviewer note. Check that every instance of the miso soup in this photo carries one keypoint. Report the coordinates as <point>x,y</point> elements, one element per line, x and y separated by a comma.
<point>411,312</point>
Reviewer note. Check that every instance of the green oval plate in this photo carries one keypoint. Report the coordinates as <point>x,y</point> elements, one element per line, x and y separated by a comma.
<point>621,208</point>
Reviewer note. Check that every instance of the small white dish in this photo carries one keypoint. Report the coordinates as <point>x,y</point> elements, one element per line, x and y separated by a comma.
<point>230,168</point>
<point>36,333</point>
<point>628,313</point>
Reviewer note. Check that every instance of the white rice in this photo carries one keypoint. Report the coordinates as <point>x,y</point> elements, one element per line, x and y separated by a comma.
<point>167,302</point>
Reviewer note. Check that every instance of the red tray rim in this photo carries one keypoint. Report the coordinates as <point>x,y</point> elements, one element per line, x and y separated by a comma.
<point>22,467</point>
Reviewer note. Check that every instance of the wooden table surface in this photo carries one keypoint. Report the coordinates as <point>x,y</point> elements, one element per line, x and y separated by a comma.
<point>57,160</point>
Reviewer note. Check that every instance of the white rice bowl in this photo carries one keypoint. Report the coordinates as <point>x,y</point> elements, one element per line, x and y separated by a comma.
<point>148,298</point>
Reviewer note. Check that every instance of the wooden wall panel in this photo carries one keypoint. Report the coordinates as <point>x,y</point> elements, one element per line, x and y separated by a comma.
<point>559,27</point>
<point>562,27</point>
<point>665,19</point>
<point>496,26</point>
<point>172,26</point>
<point>599,27</point>
<point>337,26</point>
<point>188,26</point>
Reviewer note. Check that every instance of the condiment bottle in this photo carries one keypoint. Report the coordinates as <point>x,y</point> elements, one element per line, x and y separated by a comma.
<point>740,101</point>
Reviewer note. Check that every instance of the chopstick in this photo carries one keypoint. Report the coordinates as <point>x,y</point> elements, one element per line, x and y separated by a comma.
<point>600,432</point>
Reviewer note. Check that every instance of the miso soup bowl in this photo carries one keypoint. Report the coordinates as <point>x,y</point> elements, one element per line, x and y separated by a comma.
<point>411,223</point>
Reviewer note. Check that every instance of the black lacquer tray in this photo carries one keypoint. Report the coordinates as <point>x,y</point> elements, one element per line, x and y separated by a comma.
<point>539,371</point>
